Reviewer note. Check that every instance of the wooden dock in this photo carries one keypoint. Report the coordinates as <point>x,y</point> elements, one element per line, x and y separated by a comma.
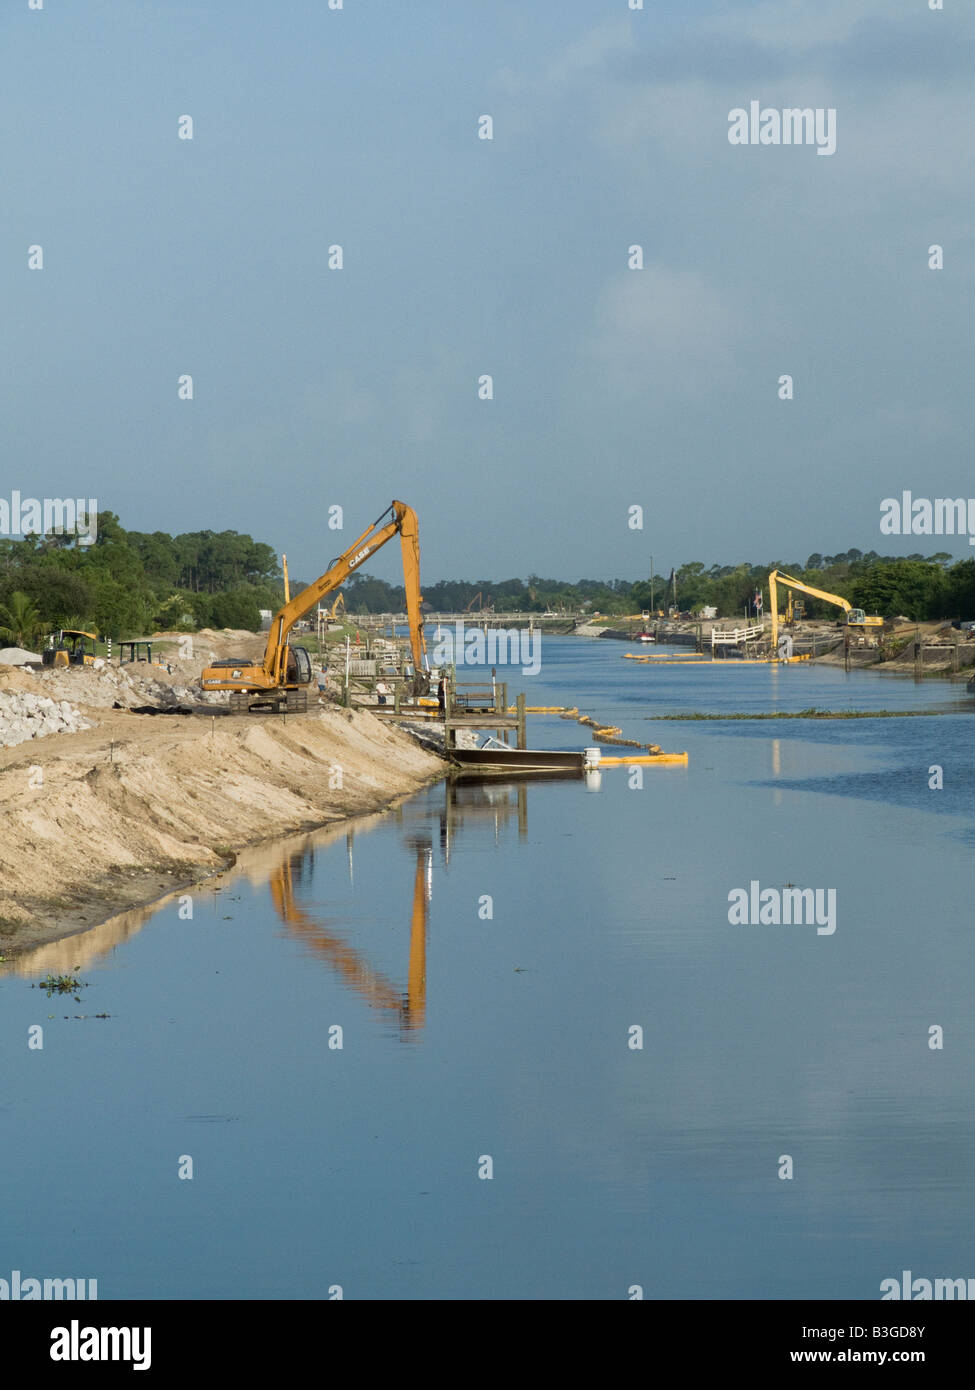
<point>466,716</point>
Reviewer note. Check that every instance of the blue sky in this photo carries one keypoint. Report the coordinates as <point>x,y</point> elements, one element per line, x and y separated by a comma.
<point>613,387</point>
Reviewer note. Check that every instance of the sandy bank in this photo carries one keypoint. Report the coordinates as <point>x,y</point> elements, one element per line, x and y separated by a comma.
<point>122,814</point>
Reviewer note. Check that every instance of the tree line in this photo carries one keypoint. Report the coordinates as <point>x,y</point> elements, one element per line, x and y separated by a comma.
<point>133,582</point>
<point>914,586</point>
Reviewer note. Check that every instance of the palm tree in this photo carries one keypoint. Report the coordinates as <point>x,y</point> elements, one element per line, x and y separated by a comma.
<point>20,621</point>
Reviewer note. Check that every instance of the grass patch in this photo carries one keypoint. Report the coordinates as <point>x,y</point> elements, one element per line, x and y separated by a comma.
<point>818,714</point>
<point>59,984</point>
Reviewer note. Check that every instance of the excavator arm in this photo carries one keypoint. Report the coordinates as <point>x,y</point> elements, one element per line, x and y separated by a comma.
<point>780,577</point>
<point>272,673</point>
<point>403,521</point>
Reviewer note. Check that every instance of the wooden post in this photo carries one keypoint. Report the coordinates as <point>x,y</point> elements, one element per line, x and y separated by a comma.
<point>954,652</point>
<point>522,723</point>
<point>397,697</point>
<point>446,716</point>
<point>918,654</point>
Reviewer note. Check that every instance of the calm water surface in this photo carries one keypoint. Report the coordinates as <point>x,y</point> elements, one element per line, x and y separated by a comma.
<point>466,1035</point>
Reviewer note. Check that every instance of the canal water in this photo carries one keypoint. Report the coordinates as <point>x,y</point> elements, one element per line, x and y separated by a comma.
<point>563,1072</point>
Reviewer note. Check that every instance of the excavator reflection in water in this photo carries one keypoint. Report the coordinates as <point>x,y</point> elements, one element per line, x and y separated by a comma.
<point>409,1006</point>
<point>424,821</point>
<point>496,801</point>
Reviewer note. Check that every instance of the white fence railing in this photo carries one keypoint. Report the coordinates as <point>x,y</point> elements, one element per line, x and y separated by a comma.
<point>738,634</point>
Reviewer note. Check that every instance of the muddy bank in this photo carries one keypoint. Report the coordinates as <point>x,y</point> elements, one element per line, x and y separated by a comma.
<point>121,815</point>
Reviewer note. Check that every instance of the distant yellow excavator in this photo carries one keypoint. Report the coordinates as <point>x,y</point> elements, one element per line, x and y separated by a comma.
<point>280,681</point>
<point>854,617</point>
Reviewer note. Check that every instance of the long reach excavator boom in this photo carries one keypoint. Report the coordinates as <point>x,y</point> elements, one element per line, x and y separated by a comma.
<point>281,678</point>
<point>854,616</point>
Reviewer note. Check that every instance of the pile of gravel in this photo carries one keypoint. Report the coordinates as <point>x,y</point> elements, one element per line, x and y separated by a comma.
<point>16,656</point>
<point>24,716</point>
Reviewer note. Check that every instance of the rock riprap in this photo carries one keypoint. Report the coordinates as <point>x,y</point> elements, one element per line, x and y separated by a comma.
<point>24,716</point>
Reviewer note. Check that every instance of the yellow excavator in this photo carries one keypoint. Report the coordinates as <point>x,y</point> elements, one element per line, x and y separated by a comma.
<point>795,610</point>
<point>853,617</point>
<point>280,680</point>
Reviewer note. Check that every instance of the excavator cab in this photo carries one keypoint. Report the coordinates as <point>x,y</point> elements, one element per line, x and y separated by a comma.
<point>298,667</point>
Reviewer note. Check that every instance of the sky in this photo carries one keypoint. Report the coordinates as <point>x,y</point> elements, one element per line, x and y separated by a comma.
<point>465,257</point>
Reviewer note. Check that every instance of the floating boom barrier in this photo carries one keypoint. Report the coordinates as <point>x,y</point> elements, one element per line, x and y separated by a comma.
<point>608,734</point>
<point>642,760</point>
<point>715,661</point>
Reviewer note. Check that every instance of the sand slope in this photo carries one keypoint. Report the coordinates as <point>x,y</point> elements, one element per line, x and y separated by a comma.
<point>121,814</point>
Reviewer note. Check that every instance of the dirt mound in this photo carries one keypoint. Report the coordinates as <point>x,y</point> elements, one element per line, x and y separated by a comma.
<point>138,807</point>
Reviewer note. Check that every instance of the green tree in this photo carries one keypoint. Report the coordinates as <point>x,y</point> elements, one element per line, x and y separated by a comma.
<point>174,614</point>
<point>20,621</point>
<point>915,588</point>
<point>961,590</point>
<point>236,609</point>
<point>119,609</point>
<point>59,593</point>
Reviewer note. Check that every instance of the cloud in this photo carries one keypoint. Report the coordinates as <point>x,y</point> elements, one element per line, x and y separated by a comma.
<point>797,26</point>
<point>662,330</point>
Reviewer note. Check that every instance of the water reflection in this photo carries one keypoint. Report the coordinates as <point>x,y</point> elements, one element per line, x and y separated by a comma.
<point>465,804</point>
<point>346,960</point>
<point>287,867</point>
<point>476,803</point>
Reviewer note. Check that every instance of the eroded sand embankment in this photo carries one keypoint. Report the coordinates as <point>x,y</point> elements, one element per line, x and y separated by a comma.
<point>100,821</point>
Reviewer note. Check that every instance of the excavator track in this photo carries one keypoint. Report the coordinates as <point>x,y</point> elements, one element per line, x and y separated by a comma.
<point>296,702</point>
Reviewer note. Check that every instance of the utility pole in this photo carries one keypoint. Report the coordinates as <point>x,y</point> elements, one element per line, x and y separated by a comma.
<point>653,606</point>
